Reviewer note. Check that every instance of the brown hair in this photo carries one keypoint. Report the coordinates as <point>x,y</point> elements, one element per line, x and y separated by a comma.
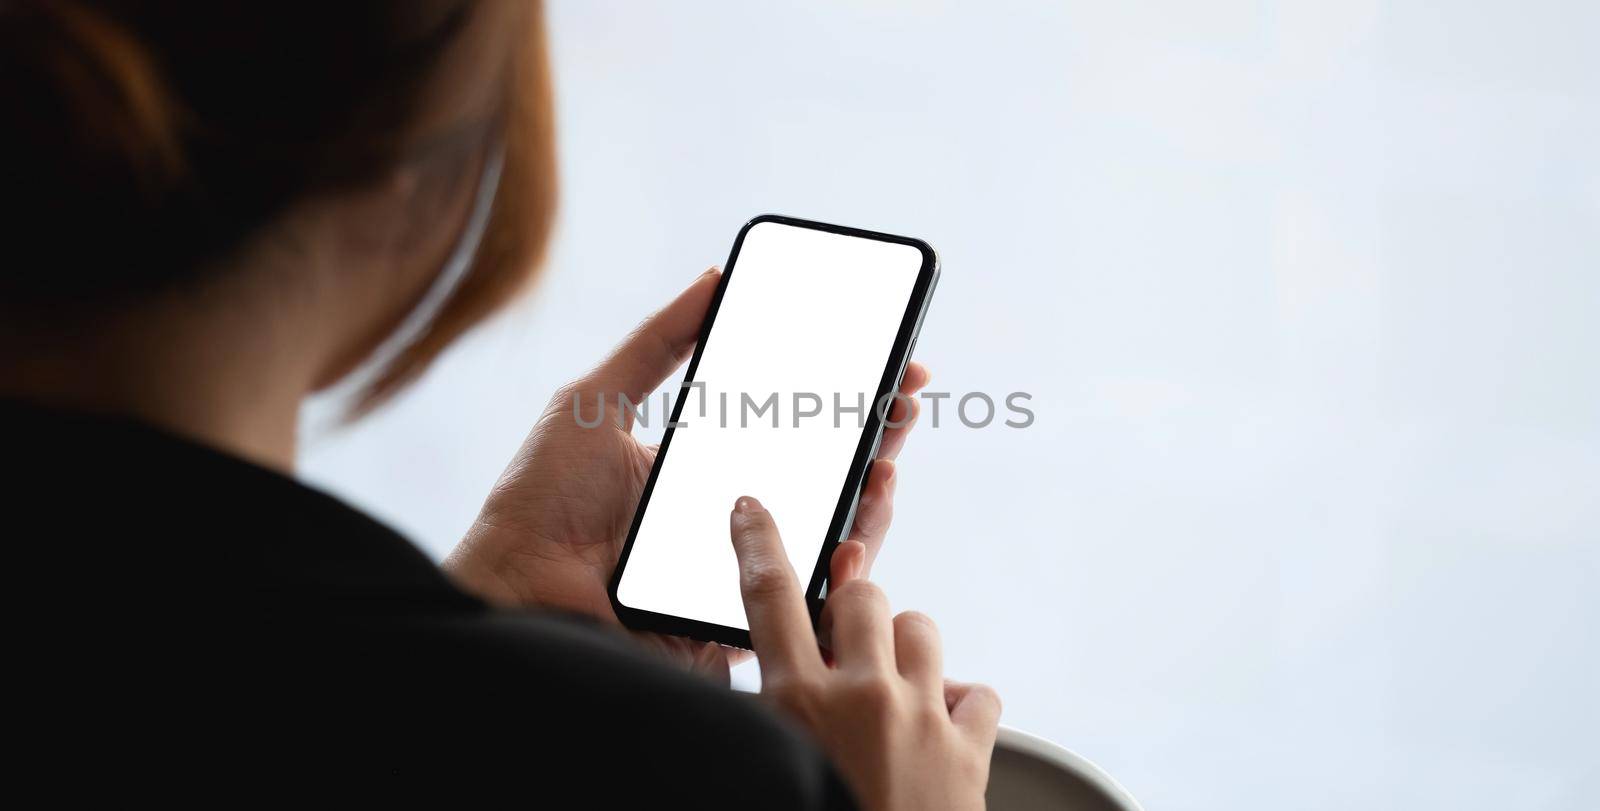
<point>145,141</point>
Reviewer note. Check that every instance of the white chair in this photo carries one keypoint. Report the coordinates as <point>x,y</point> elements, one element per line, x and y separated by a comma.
<point>1029,772</point>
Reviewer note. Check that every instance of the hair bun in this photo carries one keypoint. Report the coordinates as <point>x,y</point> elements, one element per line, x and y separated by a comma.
<point>93,135</point>
<point>101,79</point>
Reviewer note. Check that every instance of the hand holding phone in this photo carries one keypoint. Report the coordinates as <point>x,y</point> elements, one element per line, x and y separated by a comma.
<point>552,530</point>
<point>903,737</point>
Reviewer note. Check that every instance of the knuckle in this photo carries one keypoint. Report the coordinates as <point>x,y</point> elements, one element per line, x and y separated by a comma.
<point>582,389</point>
<point>863,592</point>
<point>915,621</point>
<point>932,717</point>
<point>987,695</point>
<point>754,529</point>
<point>563,396</point>
<point>795,695</point>
<point>872,691</point>
<point>764,578</point>
<point>784,686</point>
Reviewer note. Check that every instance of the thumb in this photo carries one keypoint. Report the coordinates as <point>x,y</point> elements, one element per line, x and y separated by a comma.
<point>658,346</point>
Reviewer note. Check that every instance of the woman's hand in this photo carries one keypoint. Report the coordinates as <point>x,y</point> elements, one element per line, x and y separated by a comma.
<point>550,532</point>
<point>903,737</point>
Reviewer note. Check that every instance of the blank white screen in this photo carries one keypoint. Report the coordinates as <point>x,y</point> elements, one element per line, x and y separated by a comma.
<point>804,311</point>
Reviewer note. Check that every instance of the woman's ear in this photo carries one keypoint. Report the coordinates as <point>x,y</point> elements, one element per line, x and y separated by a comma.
<point>385,250</point>
<point>427,195</point>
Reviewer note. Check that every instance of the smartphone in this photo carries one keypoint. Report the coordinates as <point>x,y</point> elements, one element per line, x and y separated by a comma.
<point>785,399</point>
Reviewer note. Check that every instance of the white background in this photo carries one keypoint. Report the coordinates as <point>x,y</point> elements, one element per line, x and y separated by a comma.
<point>1306,293</point>
<point>805,312</point>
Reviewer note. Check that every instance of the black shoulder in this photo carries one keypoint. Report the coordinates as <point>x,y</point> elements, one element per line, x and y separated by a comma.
<point>582,706</point>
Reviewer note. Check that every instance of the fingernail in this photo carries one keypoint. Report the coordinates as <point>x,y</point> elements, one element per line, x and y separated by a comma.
<point>747,505</point>
<point>711,271</point>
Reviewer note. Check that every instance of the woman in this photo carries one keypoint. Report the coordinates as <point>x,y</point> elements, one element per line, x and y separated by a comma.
<point>218,211</point>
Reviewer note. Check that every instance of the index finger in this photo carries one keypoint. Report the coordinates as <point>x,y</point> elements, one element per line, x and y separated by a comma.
<point>780,625</point>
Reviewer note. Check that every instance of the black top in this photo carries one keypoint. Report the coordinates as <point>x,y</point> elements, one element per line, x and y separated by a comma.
<point>176,607</point>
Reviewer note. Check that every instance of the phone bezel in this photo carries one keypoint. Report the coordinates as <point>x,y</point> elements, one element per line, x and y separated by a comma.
<point>866,448</point>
